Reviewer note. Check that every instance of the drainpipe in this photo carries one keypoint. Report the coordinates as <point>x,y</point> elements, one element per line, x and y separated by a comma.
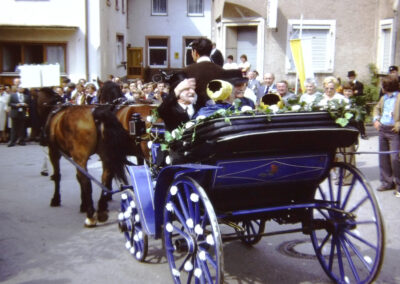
<point>86,39</point>
<point>395,30</point>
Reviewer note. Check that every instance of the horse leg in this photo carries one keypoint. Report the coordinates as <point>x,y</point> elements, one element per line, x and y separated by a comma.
<point>86,194</point>
<point>56,177</point>
<point>102,211</point>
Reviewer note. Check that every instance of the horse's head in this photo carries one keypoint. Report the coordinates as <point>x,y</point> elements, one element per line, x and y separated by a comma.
<point>46,100</point>
<point>109,93</point>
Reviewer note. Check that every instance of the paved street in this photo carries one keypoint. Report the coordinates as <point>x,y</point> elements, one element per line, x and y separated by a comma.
<point>40,244</point>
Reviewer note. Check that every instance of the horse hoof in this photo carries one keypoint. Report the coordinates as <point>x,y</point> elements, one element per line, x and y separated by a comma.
<point>90,222</point>
<point>102,216</point>
<point>55,203</point>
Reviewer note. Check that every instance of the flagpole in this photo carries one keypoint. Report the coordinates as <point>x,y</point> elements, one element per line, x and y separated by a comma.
<point>300,36</point>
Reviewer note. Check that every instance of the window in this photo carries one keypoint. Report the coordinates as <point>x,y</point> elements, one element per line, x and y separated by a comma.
<point>14,54</point>
<point>188,59</point>
<point>385,45</point>
<point>120,56</point>
<point>195,7</point>
<point>157,52</point>
<point>159,7</point>
<point>321,34</point>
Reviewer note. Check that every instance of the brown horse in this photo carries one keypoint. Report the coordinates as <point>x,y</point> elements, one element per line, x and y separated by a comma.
<point>124,115</point>
<point>79,132</point>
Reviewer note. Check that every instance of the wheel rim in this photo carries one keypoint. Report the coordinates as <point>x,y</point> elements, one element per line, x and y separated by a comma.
<point>252,231</point>
<point>351,244</point>
<point>129,223</point>
<point>191,234</point>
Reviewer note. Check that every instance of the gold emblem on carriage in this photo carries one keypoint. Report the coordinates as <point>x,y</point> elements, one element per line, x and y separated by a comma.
<point>271,170</point>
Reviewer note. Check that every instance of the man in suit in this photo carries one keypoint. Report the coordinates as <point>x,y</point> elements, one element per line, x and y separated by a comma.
<point>358,86</point>
<point>216,55</point>
<point>204,70</point>
<point>268,86</point>
<point>178,106</point>
<point>18,103</point>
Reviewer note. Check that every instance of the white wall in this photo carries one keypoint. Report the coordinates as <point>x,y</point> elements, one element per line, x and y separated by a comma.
<point>50,14</point>
<point>175,25</point>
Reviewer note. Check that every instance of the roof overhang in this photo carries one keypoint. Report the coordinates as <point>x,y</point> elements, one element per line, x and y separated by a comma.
<point>30,27</point>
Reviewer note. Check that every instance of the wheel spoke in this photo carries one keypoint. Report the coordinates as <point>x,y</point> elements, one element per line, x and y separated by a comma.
<point>182,204</point>
<point>349,191</point>
<point>361,202</point>
<point>181,219</point>
<point>331,254</point>
<point>358,253</point>
<point>350,260</point>
<point>323,243</point>
<point>339,257</point>
<point>360,239</point>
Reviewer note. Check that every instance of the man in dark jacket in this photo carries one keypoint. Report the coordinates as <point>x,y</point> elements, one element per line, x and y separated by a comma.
<point>18,103</point>
<point>204,70</point>
<point>216,55</point>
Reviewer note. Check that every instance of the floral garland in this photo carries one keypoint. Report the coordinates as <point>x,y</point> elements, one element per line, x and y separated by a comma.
<point>340,110</point>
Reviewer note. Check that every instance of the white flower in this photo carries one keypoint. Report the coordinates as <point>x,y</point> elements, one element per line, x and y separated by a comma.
<point>200,117</point>
<point>189,124</point>
<point>246,108</point>
<point>296,108</point>
<point>274,108</point>
<point>175,133</point>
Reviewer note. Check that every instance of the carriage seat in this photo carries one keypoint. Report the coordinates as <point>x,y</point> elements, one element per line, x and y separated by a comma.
<point>262,134</point>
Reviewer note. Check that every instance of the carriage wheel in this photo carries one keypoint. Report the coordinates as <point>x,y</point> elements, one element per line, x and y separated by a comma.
<point>253,231</point>
<point>130,225</point>
<point>191,234</point>
<point>350,244</point>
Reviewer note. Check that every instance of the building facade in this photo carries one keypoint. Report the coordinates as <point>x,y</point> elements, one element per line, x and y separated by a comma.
<point>344,35</point>
<point>86,37</point>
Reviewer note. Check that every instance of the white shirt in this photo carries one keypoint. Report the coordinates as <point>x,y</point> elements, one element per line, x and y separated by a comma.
<point>248,93</point>
<point>309,99</point>
<point>188,108</point>
<point>203,59</point>
<point>229,66</point>
<point>336,96</point>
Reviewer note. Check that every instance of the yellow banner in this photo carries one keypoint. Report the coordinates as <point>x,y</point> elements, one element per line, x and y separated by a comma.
<point>297,54</point>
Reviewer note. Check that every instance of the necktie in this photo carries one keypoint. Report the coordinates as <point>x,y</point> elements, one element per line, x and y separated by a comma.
<point>266,91</point>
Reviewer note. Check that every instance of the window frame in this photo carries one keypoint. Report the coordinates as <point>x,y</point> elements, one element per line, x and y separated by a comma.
<point>195,14</point>
<point>329,26</point>
<point>159,13</point>
<point>118,41</point>
<point>22,56</point>
<point>383,25</point>
<point>148,48</point>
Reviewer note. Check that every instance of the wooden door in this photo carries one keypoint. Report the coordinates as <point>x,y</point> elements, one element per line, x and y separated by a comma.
<point>135,63</point>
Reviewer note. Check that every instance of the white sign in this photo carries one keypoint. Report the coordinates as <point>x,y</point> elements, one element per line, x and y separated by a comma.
<point>272,14</point>
<point>36,76</point>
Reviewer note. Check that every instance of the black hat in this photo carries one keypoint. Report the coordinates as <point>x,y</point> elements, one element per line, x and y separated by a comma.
<point>393,68</point>
<point>239,80</point>
<point>351,73</point>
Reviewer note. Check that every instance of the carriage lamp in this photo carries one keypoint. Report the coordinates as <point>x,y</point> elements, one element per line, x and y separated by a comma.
<point>137,127</point>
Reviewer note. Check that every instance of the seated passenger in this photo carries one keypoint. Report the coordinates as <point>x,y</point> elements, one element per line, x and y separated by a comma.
<point>243,93</point>
<point>221,95</point>
<point>178,106</point>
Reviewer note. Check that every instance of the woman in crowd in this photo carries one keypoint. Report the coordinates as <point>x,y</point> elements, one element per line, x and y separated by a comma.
<point>330,85</point>
<point>244,65</point>
<point>311,93</point>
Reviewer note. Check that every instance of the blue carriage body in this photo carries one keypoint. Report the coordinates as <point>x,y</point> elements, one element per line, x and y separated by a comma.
<point>263,174</point>
<point>243,173</point>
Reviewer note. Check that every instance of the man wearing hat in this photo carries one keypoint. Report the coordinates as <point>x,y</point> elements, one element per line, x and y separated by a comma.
<point>358,86</point>
<point>178,106</point>
<point>393,70</point>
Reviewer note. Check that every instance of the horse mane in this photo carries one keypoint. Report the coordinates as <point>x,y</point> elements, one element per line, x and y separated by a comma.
<point>109,92</point>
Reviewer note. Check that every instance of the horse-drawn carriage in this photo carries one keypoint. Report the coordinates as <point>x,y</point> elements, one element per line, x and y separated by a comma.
<point>242,172</point>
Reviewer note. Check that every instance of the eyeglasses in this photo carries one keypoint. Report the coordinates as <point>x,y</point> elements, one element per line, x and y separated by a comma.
<point>329,88</point>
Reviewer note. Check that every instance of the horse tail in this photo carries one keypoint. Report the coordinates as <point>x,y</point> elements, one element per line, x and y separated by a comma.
<point>114,141</point>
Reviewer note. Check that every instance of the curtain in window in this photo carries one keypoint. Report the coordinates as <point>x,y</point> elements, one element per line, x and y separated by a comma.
<point>159,6</point>
<point>55,54</point>
<point>195,6</point>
